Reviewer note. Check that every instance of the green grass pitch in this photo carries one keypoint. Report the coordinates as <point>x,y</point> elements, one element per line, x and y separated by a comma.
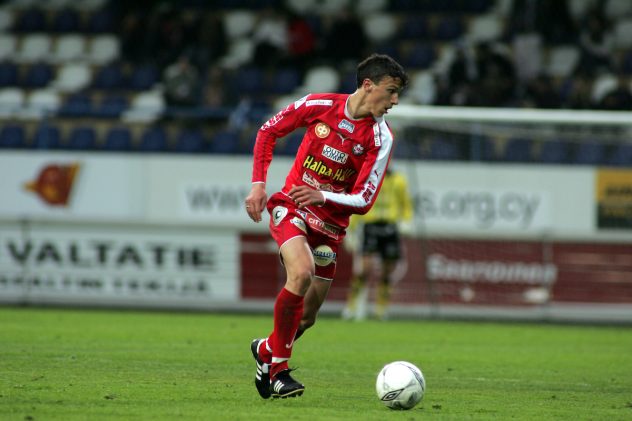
<point>123,365</point>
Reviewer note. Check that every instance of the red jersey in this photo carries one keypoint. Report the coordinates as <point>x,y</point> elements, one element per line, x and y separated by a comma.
<point>343,157</point>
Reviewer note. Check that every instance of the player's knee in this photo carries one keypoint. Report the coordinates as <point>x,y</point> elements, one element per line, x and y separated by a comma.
<point>301,279</point>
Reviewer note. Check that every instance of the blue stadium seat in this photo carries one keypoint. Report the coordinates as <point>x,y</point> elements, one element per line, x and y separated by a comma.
<point>144,77</point>
<point>284,81</point>
<point>111,106</point>
<point>38,75</point>
<point>419,56</point>
<point>289,146</point>
<point>249,80</point>
<point>8,74</point>
<point>47,137</point>
<point>110,76</point>
<point>449,28</point>
<point>445,149</point>
<point>621,155</point>
<point>31,20</point>
<point>555,152</point>
<point>225,141</point>
<point>190,141</point>
<point>118,139</point>
<point>82,138</point>
<point>413,27</point>
<point>77,105</point>
<point>66,20</point>
<point>518,150</point>
<point>101,21</point>
<point>154,139</point>
<point>590,153</point>
<point>12,136</point>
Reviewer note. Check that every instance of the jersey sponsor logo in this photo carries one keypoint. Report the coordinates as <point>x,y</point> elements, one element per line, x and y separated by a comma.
<point>323,255</point>
<point>340,174</point>
<point>346,125</point>
<point>311,181</point>
<point>322,130</point>
<point>358,149</point>
<point>300,102</point>
<point>278,213</point>
<point>334,154</point>
<point>376,135</point>
<point>299,223</point>
<point>311,102</point>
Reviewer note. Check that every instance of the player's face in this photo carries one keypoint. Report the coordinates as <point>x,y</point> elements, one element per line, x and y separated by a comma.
<point>384,95</point>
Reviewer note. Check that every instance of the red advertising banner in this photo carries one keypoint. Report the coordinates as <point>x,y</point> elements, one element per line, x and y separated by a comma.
<point>473,272</point>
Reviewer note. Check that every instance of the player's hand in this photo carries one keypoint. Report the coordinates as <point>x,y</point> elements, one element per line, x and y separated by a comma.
<point>256,201</point>
<point>305,196</point>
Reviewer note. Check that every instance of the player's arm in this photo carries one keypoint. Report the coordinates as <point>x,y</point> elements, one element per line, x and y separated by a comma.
<point>370,178</point>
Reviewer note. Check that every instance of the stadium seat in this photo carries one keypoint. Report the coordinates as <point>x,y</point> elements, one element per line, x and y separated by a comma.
<point>623,32</point>
<point>66,20</point>
<point>422,87</point>
<point>590,153</point>
<point>225,142</point>
<point>101,21</point>
<point>40,103</point>
<point>118,139</point>
<point>518,150</point>
<point>290,144</point>
<point>145,107</point>
<point>621,155</point>
<point>320,79</point>
<point>380,27</point>
<point>11,101</point>
<point>555,152</point>
<point>34,47</point>
<point>6,20</point>
<point>8,46</point>
<point>239,23</point>
<point>485,28</point>
<point>190,141</point>
<point>284,81</point>
<point>103,49</point>
<point>561,61</point>
<point>72,77</point>
<point>31,20</point>
<point>418,56</point>
<point>77,105</point>
<point>8,73</point>
<point>240,51</point>
<point>144,77</point>
<point>444,149</point>
<point>47,137</point>
<point>154,139</point>
<point>109,77</point>
<point>82,138</point>
<point>111,106</point>
<point>449,28</point>
<point>413,27</point>
<point>12,136</point>
<point>38,75</point>
<point>69,47</point>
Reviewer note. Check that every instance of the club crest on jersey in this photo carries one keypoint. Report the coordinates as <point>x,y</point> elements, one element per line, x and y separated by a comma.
<point>278,213</point>
<point>334,154</point>
<point>322,130</point>
<point>358,149</point>
<point>346,125</point>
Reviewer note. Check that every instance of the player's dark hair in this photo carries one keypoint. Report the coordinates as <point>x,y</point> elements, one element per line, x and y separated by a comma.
<point>377,66</point>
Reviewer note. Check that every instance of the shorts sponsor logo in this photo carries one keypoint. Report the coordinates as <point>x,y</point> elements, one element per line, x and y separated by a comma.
<point>323,255</point>
<point>346,125</point>
<point>322,130</point>
<point>335,155</point>
<point>299,223</point>
<point>278,213</point>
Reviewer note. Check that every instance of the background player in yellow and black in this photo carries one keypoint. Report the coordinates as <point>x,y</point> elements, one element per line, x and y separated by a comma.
<point>377,235</point>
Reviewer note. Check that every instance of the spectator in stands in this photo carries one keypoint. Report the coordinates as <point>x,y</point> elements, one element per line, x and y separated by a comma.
<point>620,98</point>
<point>345,38</point>
<point>580,95</point>
<point>495,77</point>
<point>301,42</point>
<point>270,38</point>
<point>181,83</point>
<point>596,46</point>
<point>541,93</point>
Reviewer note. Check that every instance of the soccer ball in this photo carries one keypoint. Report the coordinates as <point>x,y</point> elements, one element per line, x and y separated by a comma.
<point>400,385</point>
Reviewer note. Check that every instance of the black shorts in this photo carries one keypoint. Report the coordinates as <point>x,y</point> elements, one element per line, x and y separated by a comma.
<point>381,238</point>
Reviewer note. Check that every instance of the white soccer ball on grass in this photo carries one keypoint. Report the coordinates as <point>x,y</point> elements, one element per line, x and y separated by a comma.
<point>400,385</point>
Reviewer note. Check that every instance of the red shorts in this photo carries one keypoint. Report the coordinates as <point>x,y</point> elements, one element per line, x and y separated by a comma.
<point>287,222</point>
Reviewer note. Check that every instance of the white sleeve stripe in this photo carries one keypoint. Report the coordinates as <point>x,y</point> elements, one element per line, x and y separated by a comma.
<point>377,172</point>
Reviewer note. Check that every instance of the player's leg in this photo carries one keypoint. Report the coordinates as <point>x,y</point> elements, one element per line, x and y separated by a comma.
<point>384,289</point>
<point>288,311</point>
<point>314,299</point>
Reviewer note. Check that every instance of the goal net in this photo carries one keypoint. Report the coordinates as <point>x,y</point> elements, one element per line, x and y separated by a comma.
<point>526,210</point>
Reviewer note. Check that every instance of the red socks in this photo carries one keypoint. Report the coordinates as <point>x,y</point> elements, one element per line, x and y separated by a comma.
<point>288,311</point>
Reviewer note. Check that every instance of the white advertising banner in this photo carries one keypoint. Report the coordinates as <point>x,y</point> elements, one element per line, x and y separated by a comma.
<point>118,264</point>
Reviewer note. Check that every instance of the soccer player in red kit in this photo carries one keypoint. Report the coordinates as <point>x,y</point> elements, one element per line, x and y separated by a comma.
<point>338,171</point>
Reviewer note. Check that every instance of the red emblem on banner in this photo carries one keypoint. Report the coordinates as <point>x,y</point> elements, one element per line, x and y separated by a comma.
<point>54,184</point>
